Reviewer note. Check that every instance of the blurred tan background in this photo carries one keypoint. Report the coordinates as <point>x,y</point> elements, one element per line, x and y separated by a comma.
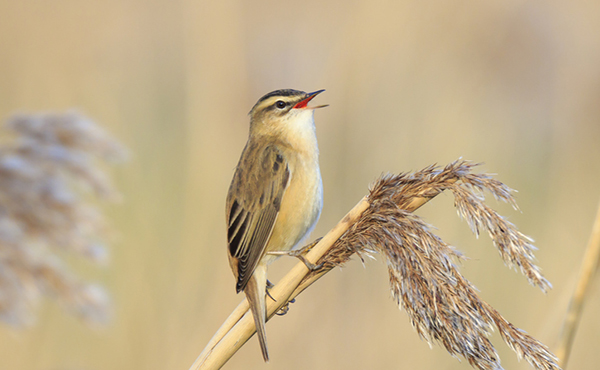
<point>514,84</point>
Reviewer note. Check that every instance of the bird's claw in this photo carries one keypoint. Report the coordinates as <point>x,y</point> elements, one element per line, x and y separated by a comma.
<point>269,286</point>
<point>285,308</point>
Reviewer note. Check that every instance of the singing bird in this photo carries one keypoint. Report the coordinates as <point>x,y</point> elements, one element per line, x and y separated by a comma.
<point>276,195</point>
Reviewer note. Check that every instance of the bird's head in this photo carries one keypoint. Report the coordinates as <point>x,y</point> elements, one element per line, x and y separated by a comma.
<point>283,110</point>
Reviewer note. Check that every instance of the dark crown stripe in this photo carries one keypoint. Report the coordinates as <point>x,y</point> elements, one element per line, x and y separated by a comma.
<point>282,92</point>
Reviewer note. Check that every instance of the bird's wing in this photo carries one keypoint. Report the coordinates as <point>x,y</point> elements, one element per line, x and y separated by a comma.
<point>253,204</point>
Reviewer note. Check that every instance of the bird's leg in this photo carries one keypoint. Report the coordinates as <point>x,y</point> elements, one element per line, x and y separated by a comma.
<point>269,286</point>
<point>300,254</point>
<point>285,308</point>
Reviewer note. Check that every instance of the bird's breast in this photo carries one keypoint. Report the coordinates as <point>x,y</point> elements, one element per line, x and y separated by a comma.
<point>300,206</point>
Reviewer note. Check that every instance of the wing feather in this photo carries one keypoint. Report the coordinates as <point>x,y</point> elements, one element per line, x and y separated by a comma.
<point>253,205</point>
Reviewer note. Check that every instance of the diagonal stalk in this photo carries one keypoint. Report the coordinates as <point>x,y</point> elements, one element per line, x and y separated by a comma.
<point>590,264</point>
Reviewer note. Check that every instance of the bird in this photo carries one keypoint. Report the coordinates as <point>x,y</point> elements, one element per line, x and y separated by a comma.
<point>276,194</point>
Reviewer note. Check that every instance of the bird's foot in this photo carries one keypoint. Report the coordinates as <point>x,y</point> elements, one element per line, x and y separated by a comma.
<point>285,308</point>
<point>269,286</point>
<point>300,254</point>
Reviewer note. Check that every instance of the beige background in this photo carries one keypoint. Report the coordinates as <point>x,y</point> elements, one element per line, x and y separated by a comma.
<point>514,84</point>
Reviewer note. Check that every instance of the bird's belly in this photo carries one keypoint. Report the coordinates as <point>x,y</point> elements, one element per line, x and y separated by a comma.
<point>300,209</point>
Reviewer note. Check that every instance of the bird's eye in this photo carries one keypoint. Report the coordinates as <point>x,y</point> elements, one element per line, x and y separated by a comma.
<point>280,104</point>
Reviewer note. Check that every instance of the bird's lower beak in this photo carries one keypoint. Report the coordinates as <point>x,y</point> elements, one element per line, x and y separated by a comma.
<point>303,104</point>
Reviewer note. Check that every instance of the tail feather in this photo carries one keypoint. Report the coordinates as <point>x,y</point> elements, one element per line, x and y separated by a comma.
<point>255,293</point>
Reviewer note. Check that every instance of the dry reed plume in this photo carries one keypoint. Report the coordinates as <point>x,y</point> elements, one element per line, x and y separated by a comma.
<point>49,171</point>
<point>442,305</point>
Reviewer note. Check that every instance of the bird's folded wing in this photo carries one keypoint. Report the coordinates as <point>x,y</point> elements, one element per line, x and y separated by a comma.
<point>253,204</point>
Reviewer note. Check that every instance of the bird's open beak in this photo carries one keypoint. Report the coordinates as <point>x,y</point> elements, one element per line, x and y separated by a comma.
<point>303,104</point>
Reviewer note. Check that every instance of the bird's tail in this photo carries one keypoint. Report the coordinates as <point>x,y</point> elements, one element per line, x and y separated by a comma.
<point>255,293</point>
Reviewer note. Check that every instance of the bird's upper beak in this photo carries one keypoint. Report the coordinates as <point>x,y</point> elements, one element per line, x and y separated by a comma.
<point>303,104</point>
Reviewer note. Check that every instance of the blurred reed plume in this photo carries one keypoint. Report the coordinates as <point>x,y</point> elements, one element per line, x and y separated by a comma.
<point>442,305</point>
<point>49,171</point>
